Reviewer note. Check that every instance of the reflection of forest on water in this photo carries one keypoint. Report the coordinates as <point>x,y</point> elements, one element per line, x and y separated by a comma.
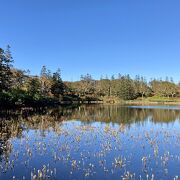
<point>14,122</point>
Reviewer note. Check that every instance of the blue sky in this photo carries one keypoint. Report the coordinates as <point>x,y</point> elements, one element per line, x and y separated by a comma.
<point>94,36</point>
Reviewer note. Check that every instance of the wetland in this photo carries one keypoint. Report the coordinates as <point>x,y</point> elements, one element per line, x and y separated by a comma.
<point>90,142</point>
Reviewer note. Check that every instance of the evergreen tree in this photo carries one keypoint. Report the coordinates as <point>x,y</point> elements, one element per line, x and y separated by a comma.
<point>43,71</point>
<point>34,87</point>
<point>57,88</point>
<point>126,88</point>
<point>46,81</point>
<point>5,69</point>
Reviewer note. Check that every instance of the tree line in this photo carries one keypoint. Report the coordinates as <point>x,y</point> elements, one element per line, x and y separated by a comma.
<point>18,87</point>
<point>124,87</point>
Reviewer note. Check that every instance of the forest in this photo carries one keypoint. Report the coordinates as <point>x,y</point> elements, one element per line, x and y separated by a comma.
<point>20,88</point>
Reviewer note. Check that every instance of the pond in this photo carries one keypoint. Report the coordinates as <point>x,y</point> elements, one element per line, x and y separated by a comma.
<point>91,142</point>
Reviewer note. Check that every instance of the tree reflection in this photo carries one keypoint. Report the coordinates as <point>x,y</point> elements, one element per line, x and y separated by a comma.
<point>14,122</point>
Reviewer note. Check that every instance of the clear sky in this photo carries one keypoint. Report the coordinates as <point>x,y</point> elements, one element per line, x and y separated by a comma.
<point>93,36</point>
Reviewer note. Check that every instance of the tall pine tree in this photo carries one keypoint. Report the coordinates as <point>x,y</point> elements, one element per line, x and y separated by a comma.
<point>57,88</point>
<point>5,69</point>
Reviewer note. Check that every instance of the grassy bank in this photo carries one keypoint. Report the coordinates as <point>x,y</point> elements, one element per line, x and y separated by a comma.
<point>155,100</point>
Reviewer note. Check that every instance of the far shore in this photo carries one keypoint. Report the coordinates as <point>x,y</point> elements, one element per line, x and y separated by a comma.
<point>120,102</point>
<point>129,102</point>
<point>151,103</point>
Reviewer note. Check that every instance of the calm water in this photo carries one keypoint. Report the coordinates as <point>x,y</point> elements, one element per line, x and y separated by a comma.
<point>91,142</point>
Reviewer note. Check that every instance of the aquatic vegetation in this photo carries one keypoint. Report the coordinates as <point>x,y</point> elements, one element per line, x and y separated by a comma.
<point>120,162</point>
<point>74,149</point>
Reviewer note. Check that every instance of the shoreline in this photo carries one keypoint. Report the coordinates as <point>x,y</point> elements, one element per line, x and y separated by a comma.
<point>71,103</point>
<point>151,103</point>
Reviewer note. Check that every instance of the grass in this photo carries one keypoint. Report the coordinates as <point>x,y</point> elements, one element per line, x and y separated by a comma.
<point>161,99</point>
<point>155,100</point>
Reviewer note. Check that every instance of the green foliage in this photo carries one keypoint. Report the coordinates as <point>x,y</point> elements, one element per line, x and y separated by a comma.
<point>45,81</point>
<point>17,87</point>
<point>104,87</point>
<point>33,88</point>
<point>5,69</point>
<point>126,88</point>
<point>164,88</point>
<point>57,88</point>
<point>141,87</point>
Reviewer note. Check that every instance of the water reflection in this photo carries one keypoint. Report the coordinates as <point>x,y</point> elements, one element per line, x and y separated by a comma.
<point>72,133</point>
<point>103,113</point>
